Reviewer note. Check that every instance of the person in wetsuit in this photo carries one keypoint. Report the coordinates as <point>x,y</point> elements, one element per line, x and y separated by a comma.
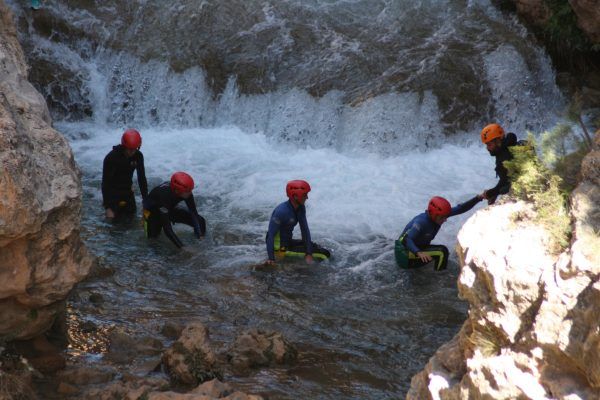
<point>414,249</point>
<point>498,144</point>
<point>281,226</point>
<point>161,211</point>
<point>117,173</point>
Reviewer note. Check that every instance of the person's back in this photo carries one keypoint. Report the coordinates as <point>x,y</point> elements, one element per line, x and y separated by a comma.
<point>161,211</point>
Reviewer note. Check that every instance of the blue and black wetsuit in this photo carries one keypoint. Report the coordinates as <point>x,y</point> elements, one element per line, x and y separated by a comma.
<point>503,154</point>
<point>160,211</point>
<point>117,174</point>
<point>281,228</point>
<point>418,234</point>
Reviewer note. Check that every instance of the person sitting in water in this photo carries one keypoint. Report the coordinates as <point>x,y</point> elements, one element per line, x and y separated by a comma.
<point>498,144</point>
<point>414,249</point>
<point>161,211</point>
<point>117,174</point>
<point>281,226</point>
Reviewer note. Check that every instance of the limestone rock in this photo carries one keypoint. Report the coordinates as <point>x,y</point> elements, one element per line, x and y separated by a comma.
<point>191,359</point>
<point>41,253</point>
<point>532,330</point>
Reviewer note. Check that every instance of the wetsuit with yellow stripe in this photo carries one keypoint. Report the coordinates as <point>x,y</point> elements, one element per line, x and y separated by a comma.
<point>161,211</point>
<point>418,234</point>
<point>281,228</point>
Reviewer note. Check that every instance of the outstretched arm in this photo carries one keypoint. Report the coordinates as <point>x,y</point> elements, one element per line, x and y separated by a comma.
<point>466,206</point>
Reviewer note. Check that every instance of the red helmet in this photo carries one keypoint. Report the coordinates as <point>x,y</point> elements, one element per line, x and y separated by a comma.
<point>439,206</point>
<point>297,188</point>
<point>182,182</point>
<point>131,139</point>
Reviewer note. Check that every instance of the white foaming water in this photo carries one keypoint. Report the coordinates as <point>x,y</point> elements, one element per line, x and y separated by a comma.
<point>358,204</point>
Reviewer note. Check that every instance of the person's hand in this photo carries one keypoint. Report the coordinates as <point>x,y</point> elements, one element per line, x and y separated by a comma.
<point>424,256</point>
<point>309,259</point>
<point>110,214</point>
<point>270,262</point>
<point>481,196</point>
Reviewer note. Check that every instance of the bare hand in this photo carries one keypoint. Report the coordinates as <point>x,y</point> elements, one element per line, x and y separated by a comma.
<point>309,259</point>
<point>110,214</point>
<point>424,256</point>
<point>270,262</point>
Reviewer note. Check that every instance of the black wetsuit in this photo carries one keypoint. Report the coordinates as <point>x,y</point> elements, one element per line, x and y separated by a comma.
<point>117,174</point>
<point>160,211</point>
<point>503,154</point>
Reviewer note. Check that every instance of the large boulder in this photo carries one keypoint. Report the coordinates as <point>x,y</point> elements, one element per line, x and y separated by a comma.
<point>41,253</point>
<point>532,330</point>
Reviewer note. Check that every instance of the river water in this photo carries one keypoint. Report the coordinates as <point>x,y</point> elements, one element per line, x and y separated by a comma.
<point>377,104</point>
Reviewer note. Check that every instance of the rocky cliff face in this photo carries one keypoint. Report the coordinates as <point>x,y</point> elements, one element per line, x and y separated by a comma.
<point>533,328</point>
<point>537,13</point>
<point>41,253</point>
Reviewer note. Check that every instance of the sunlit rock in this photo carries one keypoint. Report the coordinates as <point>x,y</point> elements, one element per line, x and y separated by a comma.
<point>532,330</point>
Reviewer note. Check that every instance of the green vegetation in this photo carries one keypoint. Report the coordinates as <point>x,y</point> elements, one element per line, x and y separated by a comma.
<point>547,179</point>
<point>562,32</point>
<point>533,182</point>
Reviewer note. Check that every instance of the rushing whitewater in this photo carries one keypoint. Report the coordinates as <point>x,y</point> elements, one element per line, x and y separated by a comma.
<point>377,104</point>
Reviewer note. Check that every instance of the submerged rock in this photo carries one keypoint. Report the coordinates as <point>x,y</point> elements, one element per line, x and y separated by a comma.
<point>256,348</point>
<point>191,359</point>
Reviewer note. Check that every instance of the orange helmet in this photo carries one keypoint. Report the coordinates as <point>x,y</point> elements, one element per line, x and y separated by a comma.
<point>439,206</point>
<point>491,132</point>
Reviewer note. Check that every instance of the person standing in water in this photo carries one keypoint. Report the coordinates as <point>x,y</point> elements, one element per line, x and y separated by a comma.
<point>117,174</point>
<point>161,211</point>
<point>281,227</point>
<point>414,249</point>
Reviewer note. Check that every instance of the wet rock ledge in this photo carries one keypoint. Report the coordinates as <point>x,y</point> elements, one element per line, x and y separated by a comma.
<point>41,253</point>
<point>533,327</point>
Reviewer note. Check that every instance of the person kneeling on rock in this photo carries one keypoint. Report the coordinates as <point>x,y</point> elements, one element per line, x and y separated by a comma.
<point>281,227</point>
<point>161,211</point>
<point>414,249</point>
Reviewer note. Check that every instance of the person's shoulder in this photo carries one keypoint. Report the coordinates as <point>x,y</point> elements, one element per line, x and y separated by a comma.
<point>511,139</point>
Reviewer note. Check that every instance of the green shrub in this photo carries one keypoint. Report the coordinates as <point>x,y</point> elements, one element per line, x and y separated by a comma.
<point>533,182</point>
